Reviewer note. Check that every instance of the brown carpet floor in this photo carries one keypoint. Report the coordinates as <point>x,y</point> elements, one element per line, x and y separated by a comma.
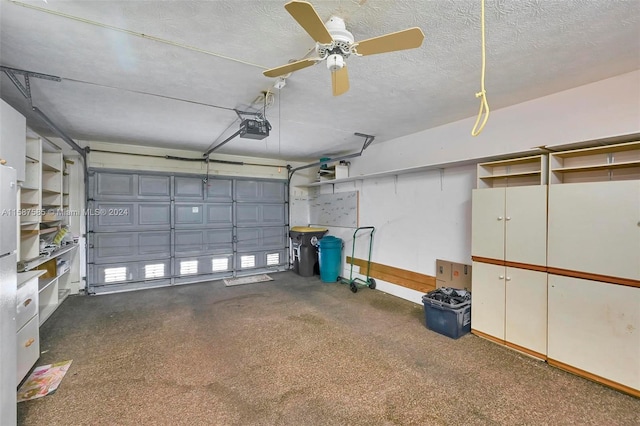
<point>294,351</point>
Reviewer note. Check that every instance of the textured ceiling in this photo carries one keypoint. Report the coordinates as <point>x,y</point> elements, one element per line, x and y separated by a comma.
<point>176,86</point>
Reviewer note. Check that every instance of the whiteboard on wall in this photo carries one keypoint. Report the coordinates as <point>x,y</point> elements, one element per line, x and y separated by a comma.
<point>339,209</point>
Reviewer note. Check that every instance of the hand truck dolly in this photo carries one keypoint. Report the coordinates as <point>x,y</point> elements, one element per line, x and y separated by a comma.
<point>355,282</point>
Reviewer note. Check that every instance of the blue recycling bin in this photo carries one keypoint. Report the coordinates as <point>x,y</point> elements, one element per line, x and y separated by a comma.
<point>330,258</point>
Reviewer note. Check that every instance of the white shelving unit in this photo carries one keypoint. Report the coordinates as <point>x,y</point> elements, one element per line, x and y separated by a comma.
<point>419,169</point>
<point>603,163</point>
<point>509,251</point>
<point>516,172</point>
<point>42,198</point>
<point>594,263</point>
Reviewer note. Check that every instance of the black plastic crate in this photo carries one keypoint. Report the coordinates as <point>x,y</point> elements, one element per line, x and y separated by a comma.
<point>450,319</point>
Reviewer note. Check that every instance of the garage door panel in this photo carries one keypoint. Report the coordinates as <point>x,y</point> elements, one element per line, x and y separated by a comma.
<point>199,241</point>
<point>250,239</point>
<point>111,246</point>
<point>106,185</point>
<point>188,242</point>
<point>154,187</point>
<point>219,241</point>
<point>191,266</point>
<point>154,243</point>
<point>273,191</point>
<point>124,246</point>
<point>263,191</point>
<point>127,272</point>
<point>133,216</point>
<point>188,214</point>
<point>154,215</point>
<point>262,260</point>
<point>248,214</point>
<point>219,190</point>
<point>254,214</point>
<point>188,187</point>
<point>124,186</point>
<point>247,190</point>
<point>273,214</point>
<point>219,214</point>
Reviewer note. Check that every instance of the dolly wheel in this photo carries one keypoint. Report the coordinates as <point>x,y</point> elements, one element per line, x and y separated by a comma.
<point>372,283</point>
<point>353,287</point>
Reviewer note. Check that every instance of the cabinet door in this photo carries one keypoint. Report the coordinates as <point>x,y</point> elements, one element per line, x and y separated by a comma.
<point>487,299</point>
<point>487,223</point>
<point>594,227</point>
<point>595,327</point>
<point>526,309</point>
<point>526,225</point>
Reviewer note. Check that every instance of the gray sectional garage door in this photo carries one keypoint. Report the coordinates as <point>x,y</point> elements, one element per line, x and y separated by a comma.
<point>152,230</point>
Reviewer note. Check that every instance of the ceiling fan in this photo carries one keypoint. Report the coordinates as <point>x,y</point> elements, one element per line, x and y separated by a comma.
<point>334,44</point>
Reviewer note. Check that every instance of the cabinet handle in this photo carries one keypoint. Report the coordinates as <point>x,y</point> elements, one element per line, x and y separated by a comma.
<point>29,342</point>
<point>508,278</point>
<point>27,302</point>
<point>3,161</point>
<point>508,217</point>
<point>501,277</point>
<point>499,217</point>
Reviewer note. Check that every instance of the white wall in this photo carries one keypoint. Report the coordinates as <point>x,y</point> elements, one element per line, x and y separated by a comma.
<point>420,217</point>
<point>599,110</point>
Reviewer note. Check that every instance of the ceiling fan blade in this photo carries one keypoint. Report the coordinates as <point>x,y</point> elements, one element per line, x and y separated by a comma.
<point>308,18</point>
<point>401,40</point>
<point>286,69</point>
<point>340,81</point>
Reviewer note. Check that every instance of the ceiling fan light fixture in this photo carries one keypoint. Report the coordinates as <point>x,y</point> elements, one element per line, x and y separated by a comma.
<point>335,62</point>
<point>338,30</point>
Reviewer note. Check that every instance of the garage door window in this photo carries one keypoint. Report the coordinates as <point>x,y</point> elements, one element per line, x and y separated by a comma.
<point>188,267</point>
<point>112,275</point>
<point>220,264</point>
<point>154,271</point>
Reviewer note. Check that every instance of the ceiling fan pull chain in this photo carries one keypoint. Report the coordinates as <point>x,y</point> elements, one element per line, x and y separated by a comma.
<point>484,105</point>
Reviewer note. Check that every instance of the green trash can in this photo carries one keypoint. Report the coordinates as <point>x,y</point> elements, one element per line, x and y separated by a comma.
<point>330,258</point>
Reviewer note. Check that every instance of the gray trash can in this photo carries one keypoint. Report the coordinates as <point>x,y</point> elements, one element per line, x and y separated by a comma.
<point>304,241</point>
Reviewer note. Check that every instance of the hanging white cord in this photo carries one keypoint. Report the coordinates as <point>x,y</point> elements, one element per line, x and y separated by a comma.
<point>484,105</point>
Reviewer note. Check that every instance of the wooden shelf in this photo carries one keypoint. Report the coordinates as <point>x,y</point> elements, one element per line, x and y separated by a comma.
<point>523,171</point>
<point>29,223</point>
<point>24,234</point>
<point>596,164</point>
<point>45,231</point>
<point>606,149</point>
<point>511,175</point>
<point>623,165</point>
